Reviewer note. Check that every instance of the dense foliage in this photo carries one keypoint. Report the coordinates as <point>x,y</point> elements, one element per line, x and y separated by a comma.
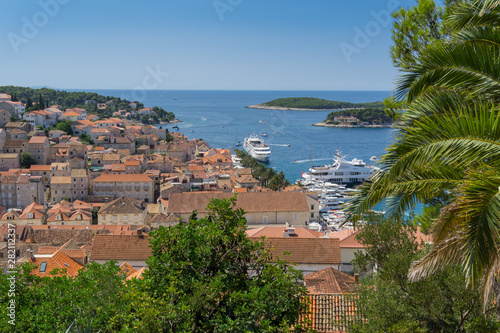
<point>389,302</point>
<point>204,276</point>
<point>214,279</point>
<point>369,115</point>
<point>45,97</point>
<point>267,176</point>
<point>317,103</point>
<point>27,160</point>
<point>449,141</point>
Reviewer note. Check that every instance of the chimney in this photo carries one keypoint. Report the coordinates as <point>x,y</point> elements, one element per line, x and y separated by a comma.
<point>139,233</point>
<point>356,278</point>
<point>289,232</point>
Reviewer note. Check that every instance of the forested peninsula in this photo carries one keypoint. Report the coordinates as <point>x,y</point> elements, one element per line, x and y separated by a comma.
<point>93,103</point>
<point>312,104</point>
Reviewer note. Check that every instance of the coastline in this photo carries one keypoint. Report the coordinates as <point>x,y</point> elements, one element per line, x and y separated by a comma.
<point>265,107</point>
<point>323,124</point>
<point>164,123</point>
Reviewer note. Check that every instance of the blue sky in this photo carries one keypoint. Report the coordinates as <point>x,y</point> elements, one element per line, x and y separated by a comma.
<point>201,44</point>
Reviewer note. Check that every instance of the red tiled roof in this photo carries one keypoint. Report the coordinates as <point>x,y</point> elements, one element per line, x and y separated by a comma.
<point>56,260</point>
<point>38,139</point>
<point>277,232</point>
<point>127,248</point>
<point>105,177</point>
<point>329,281</point>
<point>251,202</point>
<point>305,250</point>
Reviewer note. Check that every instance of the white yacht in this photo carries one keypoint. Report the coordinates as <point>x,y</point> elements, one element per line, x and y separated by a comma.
<point>340,172</point>
<point>257,148</point>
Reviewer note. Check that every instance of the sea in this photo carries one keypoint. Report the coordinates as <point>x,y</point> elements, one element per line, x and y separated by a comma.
<point>221,118</point>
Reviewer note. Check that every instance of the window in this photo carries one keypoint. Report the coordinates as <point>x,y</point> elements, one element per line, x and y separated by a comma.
<point>43,267</point>
<point>312,207</point>
<point>30,215</point>
<point>294,216</point>
<point>125,217</point>
<point>114,217</point>
<point>264,220</point>
<point>103,217</point>
<point>136,216</point>
<point>312,215</point>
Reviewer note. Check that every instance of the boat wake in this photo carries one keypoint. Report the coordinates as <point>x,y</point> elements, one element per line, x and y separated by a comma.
<point>278,144</point>
<point>314,159</point>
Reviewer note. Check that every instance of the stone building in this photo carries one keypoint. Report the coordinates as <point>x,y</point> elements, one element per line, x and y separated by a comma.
<point>39,148</point>
<point>139,187</point>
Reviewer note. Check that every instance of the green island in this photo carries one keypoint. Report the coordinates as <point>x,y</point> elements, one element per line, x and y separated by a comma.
<point>93,103</point>
<point>368,117</point>
<point>312,104</point>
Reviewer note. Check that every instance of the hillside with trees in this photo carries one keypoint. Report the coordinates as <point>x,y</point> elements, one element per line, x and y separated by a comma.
<point>315,104</point>
<point>41,98</point>
<point>372,116</point>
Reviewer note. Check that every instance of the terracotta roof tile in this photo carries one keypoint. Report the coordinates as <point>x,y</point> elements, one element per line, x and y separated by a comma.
<point>305,250</point>
<point>105,177</point>
<point>329,281</point>
<point>127,248</point>
<point>251,202</point>
<point>122,205</point>
<point>38,139</point>
<point>49,262</point>
<point>277,232</point>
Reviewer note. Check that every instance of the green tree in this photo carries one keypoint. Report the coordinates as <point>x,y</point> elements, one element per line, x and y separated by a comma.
<point>86,139</point>
<point>414,29</point>
<point>215,279</point>
<point>41,104</point>
<point>278,182</point>
<point>389,302</point>
<point>450,141</point>
<point>64,125</point>
<point>53,303</point>
<point>29,103</point>
<point>27,160</point>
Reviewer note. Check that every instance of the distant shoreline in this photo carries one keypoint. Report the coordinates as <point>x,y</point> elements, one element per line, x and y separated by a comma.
<point>323,124</point>
<point>266,107</point>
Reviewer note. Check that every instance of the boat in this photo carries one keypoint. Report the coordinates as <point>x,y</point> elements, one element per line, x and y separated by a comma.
<point>238,143</point>
<point>175,127</point>
<point>341,171</point>
<point>191,131</point>
<point>263,134</point>
<point>261,121</point>
<point>175,98</point>
<point>257,148</point>
<point>287,145</point>
<point>374,158</point>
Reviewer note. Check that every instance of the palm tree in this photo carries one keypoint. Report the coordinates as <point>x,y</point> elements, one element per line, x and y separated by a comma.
<point>450,141</point>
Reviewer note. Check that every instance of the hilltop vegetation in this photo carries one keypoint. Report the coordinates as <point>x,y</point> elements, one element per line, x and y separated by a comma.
<point>373,116</point>
<point>318,103</point>
<point>45,97</point>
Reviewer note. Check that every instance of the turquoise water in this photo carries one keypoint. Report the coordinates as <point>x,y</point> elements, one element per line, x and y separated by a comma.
<point>220,118</point>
